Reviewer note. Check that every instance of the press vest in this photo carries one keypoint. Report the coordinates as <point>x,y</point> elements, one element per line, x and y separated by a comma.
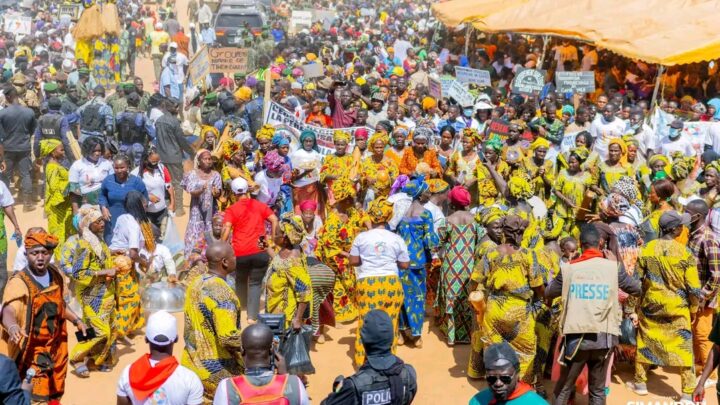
<point>590,297</point>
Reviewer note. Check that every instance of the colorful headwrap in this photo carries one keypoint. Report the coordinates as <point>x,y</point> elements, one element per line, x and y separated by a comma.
<point>209,128</point>
<point>568,109</point>
<point>627,188</point>
<point>379,136</point>
<point>682,166</point>
<point>340,135</point>
<point>437,186</point>
<point>40,238</point>
<point>662,158</point>
<point>293,228</point>
<point>623,148</point>
<point>630,139</point>
<point>519,188</point>
<point>459,196</point>
<point>415,187</point>
<point>380,210</point>
<point>428,103</point>
<point>266,132</point>
<point>47,146</point>
<point>399,183</point>
<point>308,205</point>
<point>198,155</point>
<point>581,153</point>
<point>714,165</point>
<point>540,142</point>
<point>342,188</point>
<point>514,227</point>
<point>494,143</point>
<point>489,215</point>
<point>308,133</point>
<point>472,134</point>
<point>361,133</point>
<point>614,205</point>
<point>273,161</point>
<point>230,148</point>
<point>279,139</point>
<point>422,133</point>
<point>88,215</point>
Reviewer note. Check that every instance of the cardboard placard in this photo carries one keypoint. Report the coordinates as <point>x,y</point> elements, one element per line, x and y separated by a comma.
<point>199,67</point>
<point>228,60</point>
<point>460,94</point>
<point>368,12</point>
<point>445,85</point>
<point>281,118</point>
<point>73,10</point>
<point>313,70</point>
<point>498,127</point>
<point>575,82</point>
<point>473,76</point>
<point>300,19</point>
<point>435,88</point>
<point>529,81</point>
<point>17,24</point>
<point>327,17</point>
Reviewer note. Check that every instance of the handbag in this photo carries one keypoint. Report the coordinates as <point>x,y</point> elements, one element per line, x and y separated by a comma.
<point>628,332</point>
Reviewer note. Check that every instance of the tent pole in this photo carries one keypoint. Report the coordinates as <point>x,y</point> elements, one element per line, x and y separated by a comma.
<point>661,70</point>
<point>546,40</point>
<point>468,31</point>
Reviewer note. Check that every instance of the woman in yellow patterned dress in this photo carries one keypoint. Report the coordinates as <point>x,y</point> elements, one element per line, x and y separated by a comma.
<point>671,293</point>
<point>513,291</point>
<point>463,165</point>
<point>337,166</point>
<point>234,157</point>
<point>377,171</point>
<point>608,171</point>
<point>397,144</point>
<point>335,238</point>
<point>540,172</point>
<point>57,202</point>
<point>264,139</point>
<point>87,260</point>
<point>288,287</point>
<point>491,174</point>
<point>492,219</point>
<point>570,188</point>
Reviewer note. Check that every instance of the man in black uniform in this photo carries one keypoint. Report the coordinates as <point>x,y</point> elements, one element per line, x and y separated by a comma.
<point>53,125</point>
<point>384,378</point>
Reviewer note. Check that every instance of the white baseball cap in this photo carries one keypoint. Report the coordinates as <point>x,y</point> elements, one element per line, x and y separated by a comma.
<point>173,45</point>
<point>239,186</point>
<point>161,328</point>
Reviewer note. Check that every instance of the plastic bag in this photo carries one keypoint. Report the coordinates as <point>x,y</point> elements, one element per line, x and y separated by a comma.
<point>627,332</point>
<point>296,350</point>
<point>172,239</point>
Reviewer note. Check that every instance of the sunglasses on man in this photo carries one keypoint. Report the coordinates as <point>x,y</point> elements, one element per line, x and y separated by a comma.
<point>492,379</point>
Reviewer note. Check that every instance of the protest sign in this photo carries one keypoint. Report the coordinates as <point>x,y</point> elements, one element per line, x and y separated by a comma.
<point>445,83</point>
<point>73,10</point>
<point>498,127</point>
<point>368,12</point>
<point>199,67</point>
<point>327,17</point>
<point>568,142</point>
<point>575,82</point>
<point>529,81</point>
<point>434,88</point>
<point>300,19</point>
<point>472,76</point>
<point>281,118</point>
<point>18,24</point>
<point>313,70</point>
<point>460,94</point>
<point>228,60</point>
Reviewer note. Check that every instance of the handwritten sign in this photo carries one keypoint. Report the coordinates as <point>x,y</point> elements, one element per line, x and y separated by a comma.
<point>460,94</point>
<point>568,141</point>
<point>300,19</point>
<point>529,81</point>
<point>445,85</point>
<point>228,60</point>
<point>18,24</point>
<point>472,76</point>
<point>282,118</point>
<point>313,70</point>
<point>434,88</point>
<point>575,82</point>
<point>199,67</point>
<point>73,10</point>
<point>498,127</point>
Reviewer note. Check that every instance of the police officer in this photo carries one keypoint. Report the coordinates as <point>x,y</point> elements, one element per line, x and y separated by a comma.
<point>232,122</point>
<point>53,125</point>
<point>134,130</point>
<point>590,308</point>
<point>384,378</point>
<point>210,112</point>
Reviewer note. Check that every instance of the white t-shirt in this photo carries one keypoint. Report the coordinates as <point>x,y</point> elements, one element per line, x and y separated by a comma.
<point>379,250</point>
<point>156,183</point>
<point>6,198</point>
<point>438,216</point>
<point>89,175</point>
<point>713,137</point>
<point>604,131</point>
<point>183,387</point>
<point>163,259</point>
<point>43,280</point>
<point>302,160</point>
<point>269,188</point>
<point>682,145</point>
<point>127,234</point>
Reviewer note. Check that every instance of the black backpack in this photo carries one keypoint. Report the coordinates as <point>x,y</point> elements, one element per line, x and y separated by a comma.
<point>91,119</point>
<point>131,128</point>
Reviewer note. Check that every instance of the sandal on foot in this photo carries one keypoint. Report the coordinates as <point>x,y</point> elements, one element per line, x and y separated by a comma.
<point>81,370</point>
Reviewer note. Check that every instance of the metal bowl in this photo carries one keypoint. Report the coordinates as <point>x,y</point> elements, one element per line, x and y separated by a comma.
<point>164,296</point>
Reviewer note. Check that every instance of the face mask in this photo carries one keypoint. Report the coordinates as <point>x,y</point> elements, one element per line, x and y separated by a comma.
<point>468,112</point>
<point>152,166</point>
<point>674,133</point>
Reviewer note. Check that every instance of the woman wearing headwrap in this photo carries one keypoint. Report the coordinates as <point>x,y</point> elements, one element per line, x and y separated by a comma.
<point>459,240</point>
<point>209,137</point>
<point>288,288</point>
<point>342,224</point>
<point>711,190</point>
<point>337,165</point>
<point>684,174</point>
<point>514,141</point>
<point>272,182</point>
<point>264,139</point>
<point>204,186</point>
<point>539,171</point>
<point>623,217</point>
<point>464,163</point>
<point>418,231</point>
<point>660,167</point>
<point>378,283</point>
<point>377,171</point>
<point>491,174</point>
<point>523,203</point>
<point>57,199</point>
<point>397,144</point>
<point>661,200</point>
<point>570,188</point>
<point>88,262</point>
<point>445,147</point>
<point>306,163</point>
<point>607,172</point>
<point>233,156</point>
<point>513,292</point>
<point>419,159</point>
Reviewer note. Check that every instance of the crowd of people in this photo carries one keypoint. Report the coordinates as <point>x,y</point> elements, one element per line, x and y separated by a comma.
<point>504,223</point>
